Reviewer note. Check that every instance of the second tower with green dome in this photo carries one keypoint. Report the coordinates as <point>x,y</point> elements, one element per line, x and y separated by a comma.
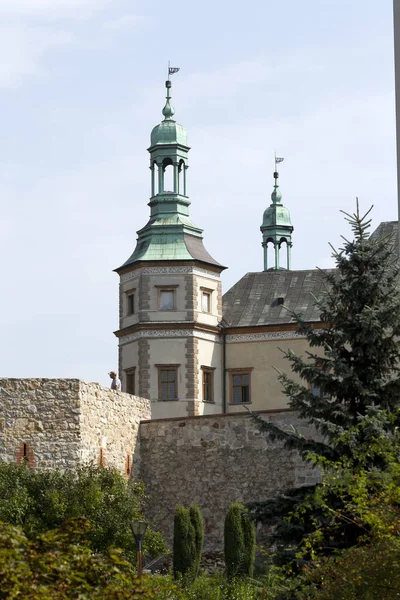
<point>277,229</point>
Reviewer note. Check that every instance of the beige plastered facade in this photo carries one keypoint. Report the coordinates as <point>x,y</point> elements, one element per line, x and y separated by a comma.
<point>184,337</point>
<point>263,355</point>
<point>190,340</point>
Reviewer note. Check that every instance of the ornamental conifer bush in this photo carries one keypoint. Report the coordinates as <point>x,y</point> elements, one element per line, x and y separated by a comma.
<point>184,547</point>
<point>249,554</point>
<point>351,371</point>
<point>197,522</point>
<point>239,542</point>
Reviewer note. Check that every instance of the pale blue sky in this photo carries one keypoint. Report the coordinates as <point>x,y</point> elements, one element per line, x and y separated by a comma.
<point>81,86</point>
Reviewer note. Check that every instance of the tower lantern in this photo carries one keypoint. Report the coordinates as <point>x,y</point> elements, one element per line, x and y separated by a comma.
<point>276,227</point>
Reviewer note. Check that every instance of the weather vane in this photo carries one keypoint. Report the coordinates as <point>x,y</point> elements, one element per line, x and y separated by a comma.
<point>172,70</point>
<point>277,161</point>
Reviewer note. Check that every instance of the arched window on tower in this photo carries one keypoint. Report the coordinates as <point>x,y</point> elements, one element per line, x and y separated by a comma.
<point>154,179</point>
<point>182,179</point>
<point>284,254</point>
<point>168,170</point>
<point>271,254</point>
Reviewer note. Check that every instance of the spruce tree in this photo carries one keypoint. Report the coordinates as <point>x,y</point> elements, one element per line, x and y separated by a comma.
<point>350,371</point>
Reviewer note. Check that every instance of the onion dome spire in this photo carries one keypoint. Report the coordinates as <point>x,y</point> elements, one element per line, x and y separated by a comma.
<point>168,110</point>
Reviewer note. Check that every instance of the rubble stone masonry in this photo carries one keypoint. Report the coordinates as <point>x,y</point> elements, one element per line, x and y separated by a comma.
<point>63,422</point>
<point>213,461</point>
<point>209,460</point>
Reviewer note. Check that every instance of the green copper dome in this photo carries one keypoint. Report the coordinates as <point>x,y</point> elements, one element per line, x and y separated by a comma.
<point>168,131</point>
<point>276,214</point>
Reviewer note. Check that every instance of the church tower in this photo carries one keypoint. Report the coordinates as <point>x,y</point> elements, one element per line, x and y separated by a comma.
<point>277,229</point>
<point>170,347</point>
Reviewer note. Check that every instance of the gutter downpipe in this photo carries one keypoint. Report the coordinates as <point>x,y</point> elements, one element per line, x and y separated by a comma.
<point>224,372</point>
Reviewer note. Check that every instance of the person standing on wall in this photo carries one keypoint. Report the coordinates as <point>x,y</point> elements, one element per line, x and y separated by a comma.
<point>115,382</point>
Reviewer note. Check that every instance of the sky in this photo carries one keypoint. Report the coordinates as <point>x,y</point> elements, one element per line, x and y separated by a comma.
<point>81,87</point>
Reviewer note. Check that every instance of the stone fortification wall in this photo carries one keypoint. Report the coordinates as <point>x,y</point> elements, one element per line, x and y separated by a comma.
<point>110,427</point>
<point>64,422</point>
<point>212,461</point>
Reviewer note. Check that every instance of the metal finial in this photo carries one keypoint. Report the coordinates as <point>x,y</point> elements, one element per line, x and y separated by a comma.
<point>277,161</point>
<point>168,110</point>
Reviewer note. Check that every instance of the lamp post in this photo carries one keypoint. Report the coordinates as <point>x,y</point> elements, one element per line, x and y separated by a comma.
<point>139,530</point>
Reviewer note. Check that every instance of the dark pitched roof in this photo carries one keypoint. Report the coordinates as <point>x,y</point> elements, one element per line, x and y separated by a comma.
<point>256,299</point>
<point>196,249</point>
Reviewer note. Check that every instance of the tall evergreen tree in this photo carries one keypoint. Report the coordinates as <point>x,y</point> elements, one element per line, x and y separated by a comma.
<point>351,369</point>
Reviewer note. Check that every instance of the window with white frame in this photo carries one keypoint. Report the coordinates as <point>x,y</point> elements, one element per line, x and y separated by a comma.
<point>206,301</point>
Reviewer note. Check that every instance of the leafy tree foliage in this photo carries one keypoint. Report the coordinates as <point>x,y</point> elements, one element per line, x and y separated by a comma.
<point>41,500</point>
<point>350,371</point>
<point>60,565</point>
<point>370,500</point>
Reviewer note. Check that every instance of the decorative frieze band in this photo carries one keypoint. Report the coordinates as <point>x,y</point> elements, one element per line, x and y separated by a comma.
<point>168,271</point>
<point>170,333</point>
<point>258,337</point>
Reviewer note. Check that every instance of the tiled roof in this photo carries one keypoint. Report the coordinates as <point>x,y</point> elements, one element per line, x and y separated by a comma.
<point>386,229</point>
<point>265,298</point>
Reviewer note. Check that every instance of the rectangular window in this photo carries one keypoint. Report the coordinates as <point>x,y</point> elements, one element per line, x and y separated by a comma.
<point>319,393</point>
<point>208,384</point>
<point>131,304</point>
<point>206,302</point>
<point>166,300</point>
<point>130,382</point>
<point>240,387</point>
<point>317,390</point>
<point>167,382</point>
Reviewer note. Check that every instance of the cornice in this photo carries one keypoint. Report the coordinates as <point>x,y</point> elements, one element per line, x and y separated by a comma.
<point>159,267</point>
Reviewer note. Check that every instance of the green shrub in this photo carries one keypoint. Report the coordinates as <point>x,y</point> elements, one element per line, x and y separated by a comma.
<point>249,554</point>
<point>184,548</point>
<point>197,522</point>
<point>40,500</point>
<point>61,565</point>
<point>239,542</point>
<point>207,587</point>
<point>233,540</point>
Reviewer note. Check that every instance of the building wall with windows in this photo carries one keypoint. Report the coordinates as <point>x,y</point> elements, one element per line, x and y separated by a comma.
<point>169,340</point>
<point>260,356</point>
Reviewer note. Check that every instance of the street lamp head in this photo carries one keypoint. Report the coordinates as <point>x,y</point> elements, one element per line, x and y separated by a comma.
<point>139,530</point>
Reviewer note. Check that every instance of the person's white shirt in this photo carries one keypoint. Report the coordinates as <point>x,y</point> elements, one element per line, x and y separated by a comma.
<point>116,384</point>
